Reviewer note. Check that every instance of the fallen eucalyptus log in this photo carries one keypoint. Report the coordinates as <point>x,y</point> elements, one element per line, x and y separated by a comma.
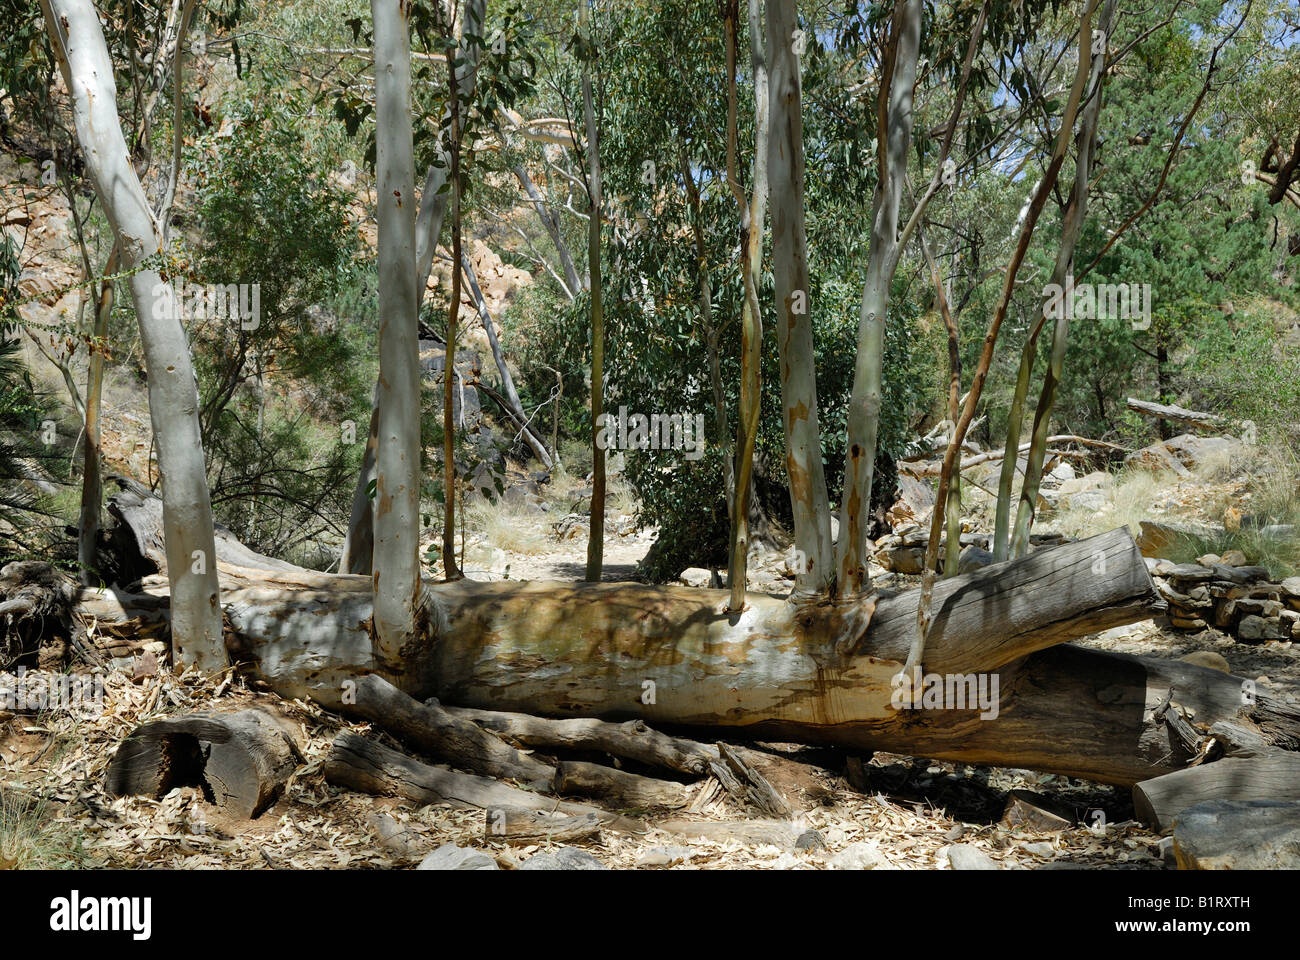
<point>241,759</point>
<point>814,672</point>
<point>432,730</point>
<point>578,778</point>
<point>1238,835</point>
<point>364,765</point>
<point>1270,776</point>
<point>1177,414</point>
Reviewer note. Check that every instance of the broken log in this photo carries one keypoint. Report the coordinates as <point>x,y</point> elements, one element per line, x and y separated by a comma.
<point>513,825</point>
<point>241,760</point>
<point>816,672</point>
<point>1238,835</point>
<point>428,728</point>
<point>746,784</point>
<point>369,767</point>
<point>632,740</point>
<point>1177,414</point>
<point>618,787</point>
<point>1271,776</point>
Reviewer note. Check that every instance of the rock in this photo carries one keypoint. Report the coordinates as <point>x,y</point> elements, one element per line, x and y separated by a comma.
<point>1090,500</point>
<point>1187,622</point>
<point>400,841</point>
<point>1159,539</point>
<point>1238,835</point>
<point>1043,850</point>
<point>1235,558</point>
<point>451,857</point>
<point>696,577</point>
<point>863,855</point>
<point>664,856</point>
<point>908,560</point>
<point>972,559</point>
<point>1062,472</point>
<point>1278,531</point>
<point>1197,452</point>
<point>1026,809</point>
<point>565,858</point>
<point>810,840</point>
<point>1097,480</point>
<point>1158,459</point>
<point>962,856</point>
<point>1207,658</point>
<point>1253,627</point>
<point>1291,587</point>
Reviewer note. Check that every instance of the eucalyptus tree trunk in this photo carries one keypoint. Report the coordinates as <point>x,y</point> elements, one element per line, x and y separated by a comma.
<point>451,569</point>
<point>596,536</point>
<point>785,167</point>
<point>864,402</point>
<point>952,539</point>
<point>1062,276</point>
<point>78,43</point>
<point>92,486</point>
<point>752,214</point>
<point>358,544</point>
<point>551,223</point>
<point>1015,422</point>
<point>1028,221</point>
<point>396,577</point>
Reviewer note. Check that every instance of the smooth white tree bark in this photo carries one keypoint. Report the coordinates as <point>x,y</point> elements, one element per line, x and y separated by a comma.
<point>77,40</point>
<point>396,577</point>
<point>785,167</point>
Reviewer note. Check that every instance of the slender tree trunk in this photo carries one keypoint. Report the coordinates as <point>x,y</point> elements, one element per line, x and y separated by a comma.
<point>894,138</point>
<point>78,42</point>
<point>396,577</point>
<point>785,166</point>
<point>449,565</point>
<point>952,542</point>
<point>752,215</point>
<point>358,545</point>
<point>551,223</point>
<point>1062,276</point>
<point>507,381</point>
<point>596,537</point>
<point>1015,422</point>
<point>92,488</point>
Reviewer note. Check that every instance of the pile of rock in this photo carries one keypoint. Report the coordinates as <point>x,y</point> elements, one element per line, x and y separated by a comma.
<point>1226,593</point>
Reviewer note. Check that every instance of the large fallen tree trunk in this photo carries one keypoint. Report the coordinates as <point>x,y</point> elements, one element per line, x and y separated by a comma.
<point>812,672</point>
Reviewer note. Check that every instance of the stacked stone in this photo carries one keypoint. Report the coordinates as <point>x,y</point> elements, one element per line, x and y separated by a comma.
<point>1238,599</point>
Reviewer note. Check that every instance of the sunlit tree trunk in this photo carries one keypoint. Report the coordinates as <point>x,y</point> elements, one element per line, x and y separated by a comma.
<point>358,545</point>
<point>396,577</point>
<point>596,536</point>
<point>78,42</point>
<point>785,167</point>
<point>752,215</point>
<point>894,123</point>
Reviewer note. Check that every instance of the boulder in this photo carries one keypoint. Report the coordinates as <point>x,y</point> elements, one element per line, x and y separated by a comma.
<point>451,857</point>
<point>963,856</point>
<point>565,858</point>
